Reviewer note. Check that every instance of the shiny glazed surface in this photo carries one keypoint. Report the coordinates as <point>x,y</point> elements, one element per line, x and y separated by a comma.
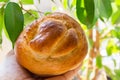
<point>51,45</point>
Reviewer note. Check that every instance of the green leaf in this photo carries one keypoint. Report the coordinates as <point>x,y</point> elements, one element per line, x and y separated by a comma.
<point>111,48</point>
<point>105,9</point>
<point>116,32</point>
<point>30,16</point>
<point>112,0</point>
<point>6,33</point>
<point>114,75</point>
<point>85,11</point>
<point>96,16</point>
<point>1,22</point>
<point>28,19</point>
<point>73,4</point>
<point>65,3</point>
<point>14,20</point>
<point>80,11</point>
<point>0,39</point>
<point>68,3</point>
<point>54,8</point>
<point>47,13</point>
<point>4,0</point>
<point>109,72</point>
<point>2,26</point>
<point>117,72</point>
<point>27,1</point>
<point>116,17</point>
<point>89,6</point>
<point>117,2</point>
<point>99,61</point>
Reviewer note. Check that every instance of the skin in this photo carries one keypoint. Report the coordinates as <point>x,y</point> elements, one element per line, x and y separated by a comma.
<point>11,70</point>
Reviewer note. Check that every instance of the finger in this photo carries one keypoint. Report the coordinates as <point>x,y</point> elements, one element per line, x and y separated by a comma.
<point>67,76</point>
<point>56,78</point>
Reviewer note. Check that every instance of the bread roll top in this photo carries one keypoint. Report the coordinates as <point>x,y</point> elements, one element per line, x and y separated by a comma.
<point>51,45</point>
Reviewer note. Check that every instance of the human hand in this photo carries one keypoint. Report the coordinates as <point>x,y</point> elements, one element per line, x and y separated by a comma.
<point>11,70</point>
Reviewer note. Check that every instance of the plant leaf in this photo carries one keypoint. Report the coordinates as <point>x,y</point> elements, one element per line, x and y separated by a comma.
<point>111,48</point>
<point>47,13</point>
<point>6,33</point>
<point>1,22</point>
<point>4,0</point>
<point>89,6</point>
<point>117,2</point>
<point>65,4</point>
<point>99,61</point>
<point>2,26</point>
<point>80,11</point>
<point>14,20</point>
<point>96,16</point>
<point>117,73</point>
<point>27,1</point>
<point>116,17</point>
<point>105,9</point>
<point>109,72</point>
<point>116,32</point>
<point>73,3</point>
<point>54,8</point>
<point>29,17</point>
<point>85,11</point>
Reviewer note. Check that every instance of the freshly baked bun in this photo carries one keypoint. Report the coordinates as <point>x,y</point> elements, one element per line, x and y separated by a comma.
<point>51,45</point>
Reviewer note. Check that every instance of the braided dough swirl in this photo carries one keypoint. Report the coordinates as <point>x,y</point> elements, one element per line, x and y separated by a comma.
<point>51,45</point>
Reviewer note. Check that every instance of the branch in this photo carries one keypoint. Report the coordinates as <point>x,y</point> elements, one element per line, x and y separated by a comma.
<point>29,11</point>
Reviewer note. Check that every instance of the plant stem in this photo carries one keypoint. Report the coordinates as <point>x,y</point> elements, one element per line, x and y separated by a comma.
<point>29,11</point>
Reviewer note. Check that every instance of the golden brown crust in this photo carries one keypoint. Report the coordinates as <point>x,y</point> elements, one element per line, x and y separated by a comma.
<point>52,45</point>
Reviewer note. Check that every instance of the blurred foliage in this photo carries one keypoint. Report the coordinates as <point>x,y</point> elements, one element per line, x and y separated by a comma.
<point>116,17</point>
<point>104,8</point>
<point>1,22</point>
<point>30,16</point>
<point>99,61</point>
<point>87,12</point>
<point>113,75</point>
<point>26,1</point>
<point>116,32</point>
<point>4,0</point>
<point>111,47</point>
